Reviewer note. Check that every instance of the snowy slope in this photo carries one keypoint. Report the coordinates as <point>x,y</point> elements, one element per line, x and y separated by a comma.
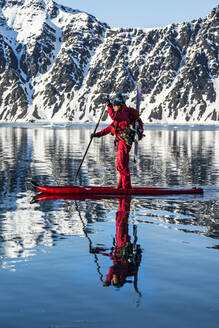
<point>58,64</point>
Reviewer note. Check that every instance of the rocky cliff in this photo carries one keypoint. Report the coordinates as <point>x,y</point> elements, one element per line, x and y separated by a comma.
<point>58,64</point>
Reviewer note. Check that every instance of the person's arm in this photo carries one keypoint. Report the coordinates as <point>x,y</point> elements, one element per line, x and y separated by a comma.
<point>111,112</point>
<point>117,116</point>
<point>103,132</point>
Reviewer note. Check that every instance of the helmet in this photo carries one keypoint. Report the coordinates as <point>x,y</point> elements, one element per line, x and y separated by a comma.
<point>119,99</point>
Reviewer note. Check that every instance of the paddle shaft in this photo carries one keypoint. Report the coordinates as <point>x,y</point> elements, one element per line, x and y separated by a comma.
<point>76,174</point>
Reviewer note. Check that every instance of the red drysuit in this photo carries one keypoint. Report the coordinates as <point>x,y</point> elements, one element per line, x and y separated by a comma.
<point>121,121</point>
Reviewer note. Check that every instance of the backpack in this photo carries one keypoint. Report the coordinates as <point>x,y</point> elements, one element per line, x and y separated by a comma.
<point>135,118</point>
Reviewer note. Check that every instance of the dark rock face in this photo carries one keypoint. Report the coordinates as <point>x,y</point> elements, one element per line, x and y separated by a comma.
<point>59,64</point>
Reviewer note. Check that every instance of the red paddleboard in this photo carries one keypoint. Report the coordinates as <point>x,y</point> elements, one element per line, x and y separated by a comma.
<point>95,190</point>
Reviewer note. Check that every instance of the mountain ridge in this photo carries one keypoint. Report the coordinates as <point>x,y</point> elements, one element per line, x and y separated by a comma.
<point>57,64</point>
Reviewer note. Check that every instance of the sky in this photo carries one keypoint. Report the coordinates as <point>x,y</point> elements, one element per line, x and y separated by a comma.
<point>143,13</point>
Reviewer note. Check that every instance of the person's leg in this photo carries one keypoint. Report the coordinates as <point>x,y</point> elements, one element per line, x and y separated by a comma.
<point>122,165</point>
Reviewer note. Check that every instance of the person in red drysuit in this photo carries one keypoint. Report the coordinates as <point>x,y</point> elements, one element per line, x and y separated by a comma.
<point>122,117</point>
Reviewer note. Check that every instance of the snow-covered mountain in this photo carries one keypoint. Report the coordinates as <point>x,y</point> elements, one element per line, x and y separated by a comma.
<point>58,64</point>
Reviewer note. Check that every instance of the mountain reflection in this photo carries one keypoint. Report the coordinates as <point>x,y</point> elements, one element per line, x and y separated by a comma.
<point>51,156</point>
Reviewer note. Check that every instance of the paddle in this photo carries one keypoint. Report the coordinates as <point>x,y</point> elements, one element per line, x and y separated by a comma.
<point>76,174</point>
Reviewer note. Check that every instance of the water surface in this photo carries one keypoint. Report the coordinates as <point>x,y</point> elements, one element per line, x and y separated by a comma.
<point>57,256</point>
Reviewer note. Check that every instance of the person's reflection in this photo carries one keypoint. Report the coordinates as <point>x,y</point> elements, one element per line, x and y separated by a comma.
<point>126,255</point>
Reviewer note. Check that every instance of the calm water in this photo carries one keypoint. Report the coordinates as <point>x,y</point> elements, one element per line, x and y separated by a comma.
<point>57,257</point>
